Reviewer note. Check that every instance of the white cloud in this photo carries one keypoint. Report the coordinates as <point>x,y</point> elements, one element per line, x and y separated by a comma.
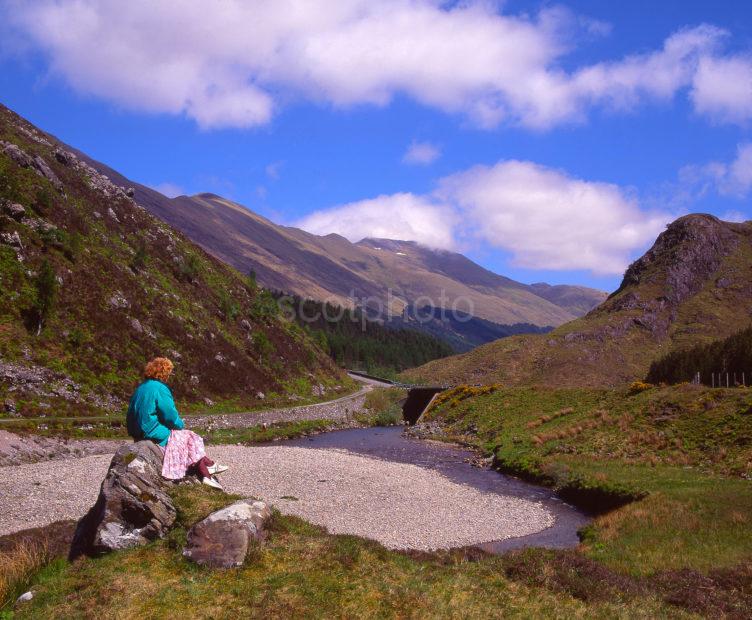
<point>656,75</point>
<point>231,63</point>
<point>397,216</point>
<point>421,153</point>
<point>171,190</point>
<point>544,218</point>
<point>549,220</point>
<point>722,88</point>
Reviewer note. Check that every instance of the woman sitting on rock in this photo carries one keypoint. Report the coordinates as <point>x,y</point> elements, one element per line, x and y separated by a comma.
<point>152,415</point>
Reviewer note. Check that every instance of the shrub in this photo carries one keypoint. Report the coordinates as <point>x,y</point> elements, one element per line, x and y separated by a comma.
<point>252,281</point>
<point>53,238</point>
<point>264,306</point>
<point>43,201</point>
<point>389,416</point>
<point>72,246</point>
<point>229,307</point>
<point>46,293</point>
<point>10,184</point>
<point>140,258</point>
<point>262,344</point>
<point>639,386</point>
<point>189,268</point>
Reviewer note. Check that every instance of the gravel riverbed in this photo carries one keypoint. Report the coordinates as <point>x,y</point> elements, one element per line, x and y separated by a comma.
<point>400,505</point>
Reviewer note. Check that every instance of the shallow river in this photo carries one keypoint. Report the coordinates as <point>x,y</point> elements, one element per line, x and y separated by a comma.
<point>451,461</point>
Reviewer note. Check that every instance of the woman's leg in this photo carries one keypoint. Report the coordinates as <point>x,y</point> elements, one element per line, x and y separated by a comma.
<point>203,467</point>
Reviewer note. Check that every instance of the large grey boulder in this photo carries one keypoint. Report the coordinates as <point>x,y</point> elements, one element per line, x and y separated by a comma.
<point>133,507</point>
<point>223,539</point>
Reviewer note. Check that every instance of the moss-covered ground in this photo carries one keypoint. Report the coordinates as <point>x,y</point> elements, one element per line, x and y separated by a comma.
<point>673,464</point>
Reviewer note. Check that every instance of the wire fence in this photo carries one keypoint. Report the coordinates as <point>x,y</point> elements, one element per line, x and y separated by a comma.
<point>722,379</point>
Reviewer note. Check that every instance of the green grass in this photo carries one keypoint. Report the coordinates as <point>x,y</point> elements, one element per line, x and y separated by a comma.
<point>272,432</point>
<point>301,571</point>
<point>686,450</point>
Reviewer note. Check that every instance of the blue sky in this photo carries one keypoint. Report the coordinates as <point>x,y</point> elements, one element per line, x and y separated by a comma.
<point>550,142</point>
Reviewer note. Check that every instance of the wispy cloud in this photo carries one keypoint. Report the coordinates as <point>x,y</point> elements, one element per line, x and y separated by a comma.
<point>273,170</point>
<point>421,153</point>
<point>171,190</point>
<point>732,178</point>
<point>464,58</point>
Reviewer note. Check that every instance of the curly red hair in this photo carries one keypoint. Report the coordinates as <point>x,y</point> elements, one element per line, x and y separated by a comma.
<point>159,368</point>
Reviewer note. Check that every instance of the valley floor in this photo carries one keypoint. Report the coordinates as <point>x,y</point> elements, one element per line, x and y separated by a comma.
<point>399,505</point>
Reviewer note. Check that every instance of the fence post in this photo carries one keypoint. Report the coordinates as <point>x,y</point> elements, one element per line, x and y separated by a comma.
<point>712,379</point>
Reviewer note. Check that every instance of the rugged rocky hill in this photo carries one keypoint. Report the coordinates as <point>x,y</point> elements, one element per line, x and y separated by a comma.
<point>388,273</point>
<point>692,286</point>
<point>92,285</point>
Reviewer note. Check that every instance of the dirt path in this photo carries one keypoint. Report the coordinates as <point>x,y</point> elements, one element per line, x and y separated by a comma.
<point>337,409</point>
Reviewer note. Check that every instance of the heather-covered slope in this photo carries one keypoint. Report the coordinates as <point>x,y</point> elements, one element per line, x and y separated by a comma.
<point>692,286</point>
<point>93,285</point>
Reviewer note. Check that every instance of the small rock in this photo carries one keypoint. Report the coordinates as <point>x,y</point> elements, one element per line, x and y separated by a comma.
<point>63,157</point>
<point>130,192</point>
<point>10,406</point>
<point>260,395</point>
<point>119,301</point>
<point>194,379</point>
<point>15,210</point>
<point>112,214</point>
<point>223,539</point>
<point>12,239</point>
<point>25,597</point>
<point>208,402</point>
<point>136,326</point>
<point>219,358</point>
<point>245,324</point>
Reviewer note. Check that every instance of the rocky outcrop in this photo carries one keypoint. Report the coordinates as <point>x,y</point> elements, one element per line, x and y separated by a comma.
<point>686,254</point>
<point>223,539</point>
<point>133,507</point>
<point>37,163</point>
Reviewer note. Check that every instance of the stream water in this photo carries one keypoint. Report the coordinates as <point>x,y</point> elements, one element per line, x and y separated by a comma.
<point>452,462</point>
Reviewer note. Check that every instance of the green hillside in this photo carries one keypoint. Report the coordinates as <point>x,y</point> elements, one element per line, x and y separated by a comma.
<point>93,286</point>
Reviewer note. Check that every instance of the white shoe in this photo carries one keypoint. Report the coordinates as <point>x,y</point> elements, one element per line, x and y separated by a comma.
<point>217,469</point>
<point>211,482</point>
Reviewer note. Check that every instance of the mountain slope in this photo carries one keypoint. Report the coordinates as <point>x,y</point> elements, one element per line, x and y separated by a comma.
<point>390,274</point>
<point>692,286</point>
<point>93,285</point>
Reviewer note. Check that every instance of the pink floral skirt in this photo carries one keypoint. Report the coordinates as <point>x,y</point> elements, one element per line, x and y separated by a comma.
<point>184,448</point>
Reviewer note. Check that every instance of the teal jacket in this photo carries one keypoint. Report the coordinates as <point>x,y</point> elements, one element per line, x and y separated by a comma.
<point>152,413</point>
